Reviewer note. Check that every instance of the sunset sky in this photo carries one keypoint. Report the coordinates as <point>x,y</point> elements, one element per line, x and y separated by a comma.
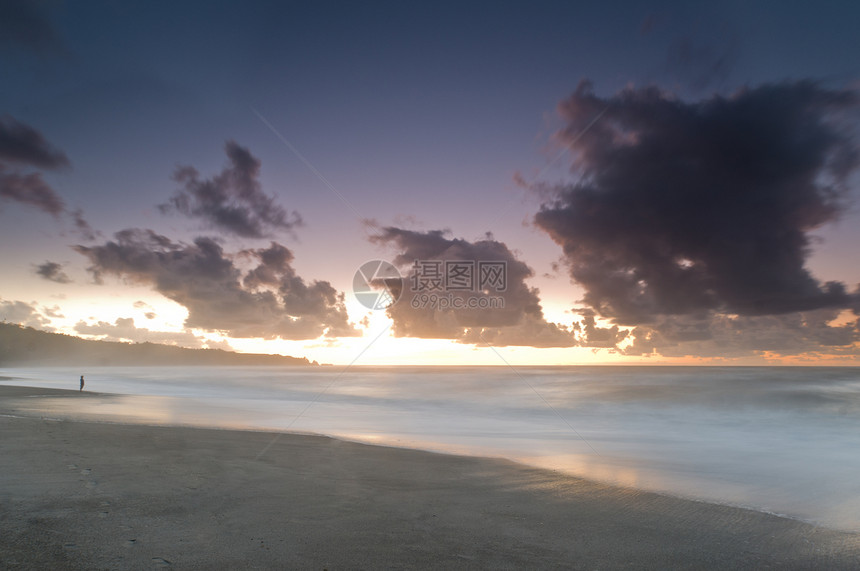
<point>666,182</point>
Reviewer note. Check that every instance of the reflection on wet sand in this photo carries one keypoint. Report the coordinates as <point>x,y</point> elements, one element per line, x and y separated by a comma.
<point>777,439</point>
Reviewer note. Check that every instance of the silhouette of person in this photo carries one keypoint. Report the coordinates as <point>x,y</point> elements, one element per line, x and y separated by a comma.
<point>82,383</point>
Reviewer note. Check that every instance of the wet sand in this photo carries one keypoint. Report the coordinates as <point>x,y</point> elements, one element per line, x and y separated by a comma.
<point>84,495</point>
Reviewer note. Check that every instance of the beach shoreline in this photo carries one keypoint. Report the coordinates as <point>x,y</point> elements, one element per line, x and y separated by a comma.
<point>98,496</point>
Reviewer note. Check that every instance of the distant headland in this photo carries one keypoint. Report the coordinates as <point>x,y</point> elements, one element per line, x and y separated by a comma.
<point>27,346</point>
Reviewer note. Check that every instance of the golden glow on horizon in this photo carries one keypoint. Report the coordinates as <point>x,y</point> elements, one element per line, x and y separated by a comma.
<point>388,350</point>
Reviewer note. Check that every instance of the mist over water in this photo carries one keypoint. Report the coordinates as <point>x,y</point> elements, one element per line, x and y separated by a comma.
<point>780,439</point>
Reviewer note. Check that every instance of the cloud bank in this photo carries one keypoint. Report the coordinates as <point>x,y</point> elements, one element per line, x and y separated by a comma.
<point>730,336</point>
<point>124,330</point>
<point>269,300</point>
<point>25,314</point>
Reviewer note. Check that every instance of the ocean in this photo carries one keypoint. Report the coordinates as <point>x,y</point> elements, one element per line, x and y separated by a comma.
<point>784,440</point>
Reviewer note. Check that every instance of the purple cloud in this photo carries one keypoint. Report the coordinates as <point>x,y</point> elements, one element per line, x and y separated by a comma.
<point>233,201</point>
<point>519,322</point>
<point>270,300</point>
<point>53,271</point>
<point>22,144</point>
<point>688,208</point>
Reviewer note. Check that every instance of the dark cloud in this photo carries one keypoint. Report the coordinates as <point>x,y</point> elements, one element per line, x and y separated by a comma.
<point>232,201</point>
<point>268,301</point>
<point>24,26</point>
<point>22,144</point>
<point>692,208</point>
<point>30,189</point>
<point>519,322</point>
<point>589,334</point>
<point>54,272</point>
<point>124,330</point>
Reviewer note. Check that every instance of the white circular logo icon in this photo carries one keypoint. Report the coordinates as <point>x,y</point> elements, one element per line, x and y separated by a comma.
<point>377,285</point>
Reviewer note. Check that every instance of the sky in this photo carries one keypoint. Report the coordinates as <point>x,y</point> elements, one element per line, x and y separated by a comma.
<point>653,182</point>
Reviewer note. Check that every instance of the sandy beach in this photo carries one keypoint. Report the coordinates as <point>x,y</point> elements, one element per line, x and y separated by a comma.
<point>83,495</point>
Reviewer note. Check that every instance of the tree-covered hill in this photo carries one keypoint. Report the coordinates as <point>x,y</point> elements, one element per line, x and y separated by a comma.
<point>27,346</point>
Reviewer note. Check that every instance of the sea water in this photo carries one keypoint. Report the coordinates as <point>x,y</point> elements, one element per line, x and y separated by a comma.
<point>779,439</point>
